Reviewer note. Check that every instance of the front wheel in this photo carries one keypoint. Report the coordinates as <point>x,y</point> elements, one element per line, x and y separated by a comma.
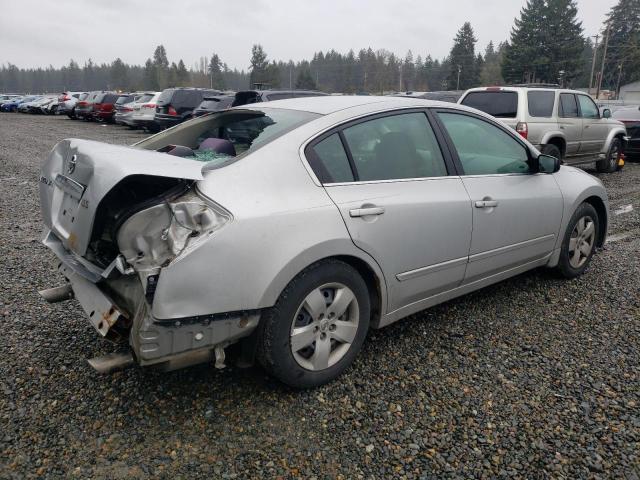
<point>579,242</point>
<point>610,163</point>
<point>552,150</point>
<point>317,326</point>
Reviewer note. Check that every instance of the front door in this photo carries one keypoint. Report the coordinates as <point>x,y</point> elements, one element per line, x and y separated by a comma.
<point>389,179</point>
<point>594,129</point>
<point>570,123</point>
<point>516,214</point>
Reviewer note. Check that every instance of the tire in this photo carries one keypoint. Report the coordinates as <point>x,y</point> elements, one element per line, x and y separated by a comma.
<point>305,305</point>
<point>572,264</point>
<point>552,150</point>
<point>610,163</point>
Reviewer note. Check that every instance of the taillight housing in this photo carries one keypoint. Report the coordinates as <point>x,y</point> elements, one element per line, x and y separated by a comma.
<point>172,111</point>
<point>523,129</point>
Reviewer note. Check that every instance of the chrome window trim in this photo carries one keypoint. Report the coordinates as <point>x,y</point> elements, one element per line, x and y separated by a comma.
<point>389,180</point>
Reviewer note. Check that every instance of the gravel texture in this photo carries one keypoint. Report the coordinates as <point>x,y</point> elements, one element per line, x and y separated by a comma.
<point>535,377</point>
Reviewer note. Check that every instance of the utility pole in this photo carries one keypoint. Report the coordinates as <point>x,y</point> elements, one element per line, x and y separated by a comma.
<point>459,72</point>
<point>618,85</point>
<point>604,58</point>
<point>593,63</point>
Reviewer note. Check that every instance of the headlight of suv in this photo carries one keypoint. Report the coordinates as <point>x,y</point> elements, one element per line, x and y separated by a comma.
<point>159,235</point>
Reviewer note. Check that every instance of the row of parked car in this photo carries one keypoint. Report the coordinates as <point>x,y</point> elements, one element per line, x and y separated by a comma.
<point>153,111</point>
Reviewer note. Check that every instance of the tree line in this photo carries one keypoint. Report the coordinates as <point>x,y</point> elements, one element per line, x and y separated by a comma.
<point>547,44</point>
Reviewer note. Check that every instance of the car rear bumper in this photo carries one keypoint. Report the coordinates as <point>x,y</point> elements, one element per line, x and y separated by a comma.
<point>166,121</point>
<point>177,343</point>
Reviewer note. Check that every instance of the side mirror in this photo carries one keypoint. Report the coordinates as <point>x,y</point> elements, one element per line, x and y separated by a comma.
<point>606,113</point>
<point>548,164</point>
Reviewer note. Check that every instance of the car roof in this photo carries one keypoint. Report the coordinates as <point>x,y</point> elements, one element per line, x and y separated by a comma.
<point>325,105</point>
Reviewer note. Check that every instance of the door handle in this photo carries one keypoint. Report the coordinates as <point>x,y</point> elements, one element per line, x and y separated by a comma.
<point>363,212</point>
<point>486,203</point>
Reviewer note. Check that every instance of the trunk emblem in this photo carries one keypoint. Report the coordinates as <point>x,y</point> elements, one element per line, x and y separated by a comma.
<point>72,165</point>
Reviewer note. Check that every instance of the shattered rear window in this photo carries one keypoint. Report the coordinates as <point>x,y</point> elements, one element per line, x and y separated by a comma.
<point>221,138</point>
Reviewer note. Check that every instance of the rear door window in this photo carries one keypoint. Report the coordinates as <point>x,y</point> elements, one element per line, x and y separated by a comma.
<point>395,147</point>
<point>166,96</point>
<point>568,105</point>
<point>329,161</point>
<point>499,104</point>
<point>541,103</point>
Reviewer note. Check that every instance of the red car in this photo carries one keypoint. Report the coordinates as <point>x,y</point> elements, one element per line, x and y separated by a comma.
<point>103,107</point>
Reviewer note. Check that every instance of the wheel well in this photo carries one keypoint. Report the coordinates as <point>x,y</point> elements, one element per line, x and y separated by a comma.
<point>558,142</point>
<point>598,204</point>
<point>373,284</point>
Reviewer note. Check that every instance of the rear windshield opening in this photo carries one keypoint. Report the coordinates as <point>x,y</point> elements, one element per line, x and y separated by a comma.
<point>498,104</point>
<point>220,138</point>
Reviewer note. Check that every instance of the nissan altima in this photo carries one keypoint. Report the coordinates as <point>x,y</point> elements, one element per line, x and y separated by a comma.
<point>282,232</point>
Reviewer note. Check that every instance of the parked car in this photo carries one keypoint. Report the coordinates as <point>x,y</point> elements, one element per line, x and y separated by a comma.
<point>103,107</point>
<point>175,105</point>
<point>130,104</point>
<point>631,119</point>
<point>83,109</point>
<point>51,107</point>
<point>144,116</point>
<point>451,96</point>
<point>213,104</point>
<point>291,227</point>
<point>562,123</point>
<point>8,97</point>
<point>25,107</point>
<point>67,102</point>
<point>247,97</point>
<point>12,105</point>
<point>40,105</point>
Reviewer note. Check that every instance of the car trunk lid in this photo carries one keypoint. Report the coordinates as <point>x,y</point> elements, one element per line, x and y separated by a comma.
<point>79,173</point>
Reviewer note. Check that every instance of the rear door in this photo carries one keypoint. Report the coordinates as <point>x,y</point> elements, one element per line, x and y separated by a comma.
<point>569,122</point>
<point>594,128</point>
<point>516,214</point>
<point>391,183</point>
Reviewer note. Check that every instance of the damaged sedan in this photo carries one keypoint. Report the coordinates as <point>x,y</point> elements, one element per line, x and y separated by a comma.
<point>281,232</point>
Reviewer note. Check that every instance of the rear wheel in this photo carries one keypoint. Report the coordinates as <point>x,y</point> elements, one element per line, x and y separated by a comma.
<point>552,150</point>
<point>317,326</point>
<point>579,242</point>
<point>610,163</point>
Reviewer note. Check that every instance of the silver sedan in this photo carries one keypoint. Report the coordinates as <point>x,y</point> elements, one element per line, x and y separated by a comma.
<point>283,231</point>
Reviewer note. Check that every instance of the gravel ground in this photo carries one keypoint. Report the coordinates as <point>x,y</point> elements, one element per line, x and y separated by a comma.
<point>535,377</point>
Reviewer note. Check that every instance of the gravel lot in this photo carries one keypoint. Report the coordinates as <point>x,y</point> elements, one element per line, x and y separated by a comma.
<point>535,377</point>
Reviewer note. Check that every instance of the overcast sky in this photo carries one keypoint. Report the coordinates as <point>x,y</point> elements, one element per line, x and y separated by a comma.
<point>55,31</point>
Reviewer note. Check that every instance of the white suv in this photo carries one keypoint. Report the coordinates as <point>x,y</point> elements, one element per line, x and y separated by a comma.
<point>563,123</point>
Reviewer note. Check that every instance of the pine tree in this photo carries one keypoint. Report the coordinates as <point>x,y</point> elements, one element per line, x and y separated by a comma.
<point>161,64</point>
<point>182,75</point>
<point>259,65</point>
<point>546,43</point>
<point>215,72</point>
<point>305,80</point>
<point>491,73</point>
<point>624,44</point>
<point>463,60</point>
<point>149,76</point>
<point>118,75</point>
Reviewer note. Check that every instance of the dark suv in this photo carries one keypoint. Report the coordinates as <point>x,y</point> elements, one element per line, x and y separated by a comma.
<point>175,105</point>
<point>254,96</point>
<point>213,104</point>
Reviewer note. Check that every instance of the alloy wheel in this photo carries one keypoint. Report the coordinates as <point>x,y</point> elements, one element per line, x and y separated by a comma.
<point>581,241</point>
<point>324,326</point>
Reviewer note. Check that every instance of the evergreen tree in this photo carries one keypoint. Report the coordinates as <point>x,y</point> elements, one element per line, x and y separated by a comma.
<point>624,44</point>
<point>305,80</point>
<point>118,75</point>
<point>463,60</point>
<point>546,43</point>
<point>491,73</point>
<point>161,64</point>
<point>149,76</point>
<point>215,72</point>
<point>259,65</point>
<point>182,75</point>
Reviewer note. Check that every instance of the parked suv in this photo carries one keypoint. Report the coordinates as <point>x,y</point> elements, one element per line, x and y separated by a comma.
<point>104,106</point>
<point>67,102</point>
<point>175,105</point>
<point>566,124</point>
<point>254,96</point>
